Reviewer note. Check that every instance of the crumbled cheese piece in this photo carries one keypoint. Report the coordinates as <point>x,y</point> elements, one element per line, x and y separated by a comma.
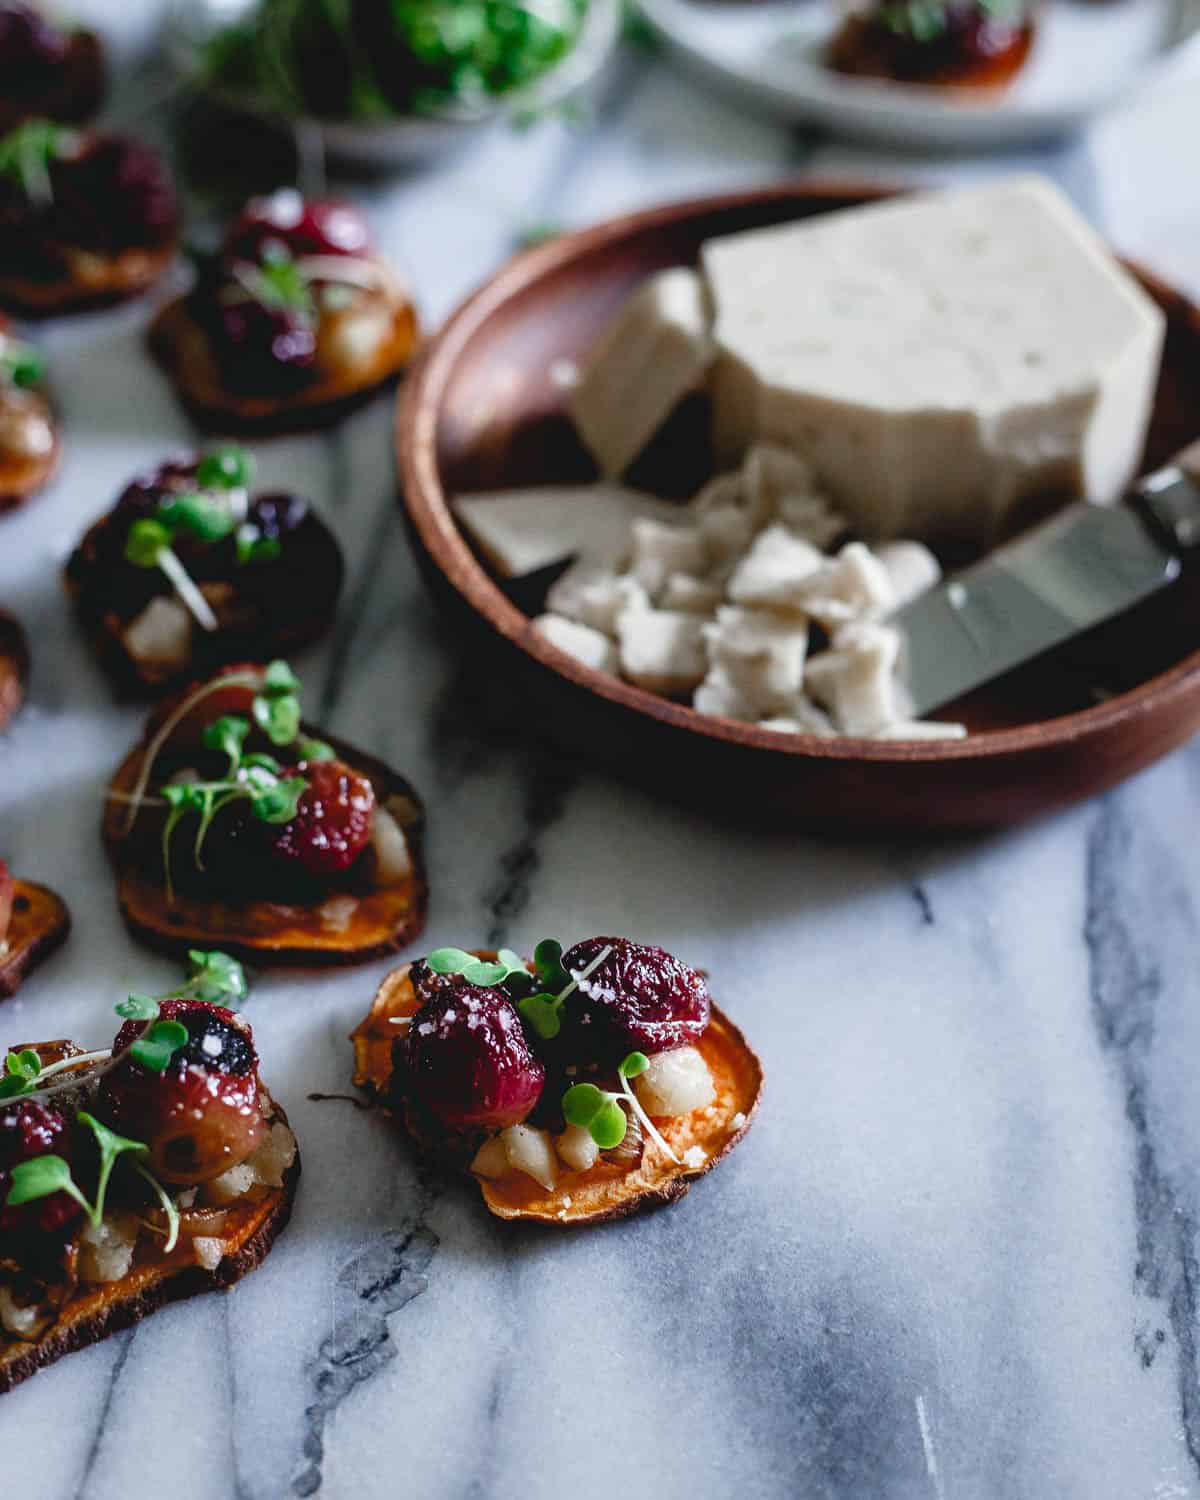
<point>803,717</point>
<point>531,1151</point>
<point>912,569</point>
<point>337,913</point>
<point>23,1322</point>
<point>654,352</point>
<point>921,729</point>
<point>720,696</point>
<point>594,594</point>
<point>161,636</point>
<point>675,1083</point>
<point>694,596</point>
<point>208,1250</point>
<point>589,646</point>
<point>695,1156</point>
<point>661,650</point>
<point>775,569</point>
<point>856,679</point>
<point>738,1120</point>
<point>855,586</point>
<point>577,1148</point>
<point>658,550</point>
<point>761,654</point>
<point>393,859</point>
<point>727,531</point>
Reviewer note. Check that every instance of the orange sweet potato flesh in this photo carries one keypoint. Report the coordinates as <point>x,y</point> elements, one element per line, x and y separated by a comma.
<point>14,667</point>
<point>101,281</point>
<point>380,922</point>
<point>607,1190</point>
<point>92,1313</point>
<point>38,925</point>
<point>181,348</point>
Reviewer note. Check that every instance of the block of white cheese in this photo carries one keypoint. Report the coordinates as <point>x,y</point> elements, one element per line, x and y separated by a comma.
<point>522,530</point>
<point>654,352</point>
<point>585,644</point>
<point>949,364</point>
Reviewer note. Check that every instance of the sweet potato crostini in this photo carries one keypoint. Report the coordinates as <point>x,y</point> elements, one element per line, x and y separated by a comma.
<point>583,1086</point>
<point>231,824</point>
<point>978,44</point>
<point>190,570</point>
<point>33,923</point>
<point>29,444</point>
<point>46,68</point>
<point>136,1175</point>
<point>14,667</point>
<point>85,219</point>
<point>294,320</point>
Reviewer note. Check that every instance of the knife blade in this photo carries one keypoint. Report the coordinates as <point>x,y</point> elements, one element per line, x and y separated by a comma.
<point>1061,578</point>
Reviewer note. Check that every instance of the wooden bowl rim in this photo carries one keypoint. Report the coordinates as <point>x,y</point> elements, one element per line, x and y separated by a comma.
<point>422,494</point>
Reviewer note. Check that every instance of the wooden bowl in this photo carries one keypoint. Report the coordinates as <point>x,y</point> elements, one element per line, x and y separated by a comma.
<point>483,412</point>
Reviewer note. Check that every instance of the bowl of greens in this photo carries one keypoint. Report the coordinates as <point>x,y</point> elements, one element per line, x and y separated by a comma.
<point>391,82</point>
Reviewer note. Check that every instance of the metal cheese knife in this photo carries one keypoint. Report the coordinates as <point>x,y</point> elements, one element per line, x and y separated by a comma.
<point>1057,580</point>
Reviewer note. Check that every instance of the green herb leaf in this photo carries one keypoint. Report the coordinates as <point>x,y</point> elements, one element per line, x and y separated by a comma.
<point>543,1014</point>
<point>279,803</point>
<point>279,679</point>
<point>547,960</point>
<point>21,364</point>
<point>484,973</point>
<point>216,977</point>
<point>202,515</point>
<point>111,1147</point>
<point>138,1008</point>
<point>449,960</point>
<point>26,155</point>
<point>162,1041</point>
<point>227,468</point>
<point>582,1103</point>
<point>315,749</point>
<point>39,1178</point>
<point>227,734</point>
<point>278,717</point>
<point>21,1069</point>
<point>253,547</point>
<point>146,542</point>
<point>608,1125</point>
<point>634,1065</point>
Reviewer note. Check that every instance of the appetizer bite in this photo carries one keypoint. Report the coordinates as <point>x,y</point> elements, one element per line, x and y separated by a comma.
<point>583,1086</point>
<point>33,923</point>
<point>295,319</point>
<point>191,570</point>
<point>29,445</point>
<point>232,824</point>
<point>85,219</point>
<point>951,43</point>
<point>374,62</point>
<point>137,1175</point>
<point>14,667</point>
<point>47,69</point>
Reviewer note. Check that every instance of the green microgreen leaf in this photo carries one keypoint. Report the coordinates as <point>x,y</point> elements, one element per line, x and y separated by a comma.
<point>227,468</point>
<point>202,516</point>
<point>608,1125</point>
<point>279,803</point>
<point>21,364</point>
<point>21,1069</point>
<point>146,542</point>
<point>449,960</point>
<point>482,972</point>
<point>279,679</point>
<point>597,1112</point>
<point>168,1207</point>
<point>253,547</point>
<point>278,717</point>
<point>543,1013</point>
<point>547,960</point>
<point>279,282</point>
<point>161,1042</point>
<point>27,153</point>
<point>634,1065</point>
<point>227,734</point>
<point>216,977</point>
<point>315,749</point>
<point>111,1147</point>
<point>138,1008</point>
<point>40,1177</point>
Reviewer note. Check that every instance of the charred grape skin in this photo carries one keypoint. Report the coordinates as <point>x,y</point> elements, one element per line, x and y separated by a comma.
<point>28,44</point>
<point>304,226</point>
<point>29,1128</point>
<point>263,348</point>
<point>973,46</point>
<point>466,1064</point>
<point>201,1116</point>
<point>332,825</point>
<point>641,998</point>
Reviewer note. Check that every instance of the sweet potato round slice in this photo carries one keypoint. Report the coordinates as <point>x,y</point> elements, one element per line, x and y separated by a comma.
<point>38,925</point>
<point>181,347</point>
<point>93,1313</point>
<point>607,1190</point>
<point>14,667</point>
<point>348,928</point>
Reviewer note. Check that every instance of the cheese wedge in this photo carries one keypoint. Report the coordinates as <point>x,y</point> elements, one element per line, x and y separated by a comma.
<point>949,364</point>
<point>655,351</point>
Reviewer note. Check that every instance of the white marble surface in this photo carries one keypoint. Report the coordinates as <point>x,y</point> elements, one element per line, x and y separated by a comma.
<point>956,1258</point>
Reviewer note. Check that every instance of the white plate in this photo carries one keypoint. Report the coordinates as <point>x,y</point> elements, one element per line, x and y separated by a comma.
<point>1087,55</point>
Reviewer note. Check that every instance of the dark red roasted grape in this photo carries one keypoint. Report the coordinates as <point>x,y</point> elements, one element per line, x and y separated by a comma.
<point>466,1062</point>
<point>261,348</point>
<point>304,226</point>
<point>29,1128</point>
<point>641,998</point>
<point>202,1115</point>
<point>333,820</point>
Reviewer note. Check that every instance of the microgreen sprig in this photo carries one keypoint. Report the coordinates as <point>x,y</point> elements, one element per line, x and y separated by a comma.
<point>543,1009</point>
<point>602,1114</point>
<point>480,971</point>
<point>41,1176</point>
<point>277,281</point>
<point>20,364</point>
<point>27,152</point>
